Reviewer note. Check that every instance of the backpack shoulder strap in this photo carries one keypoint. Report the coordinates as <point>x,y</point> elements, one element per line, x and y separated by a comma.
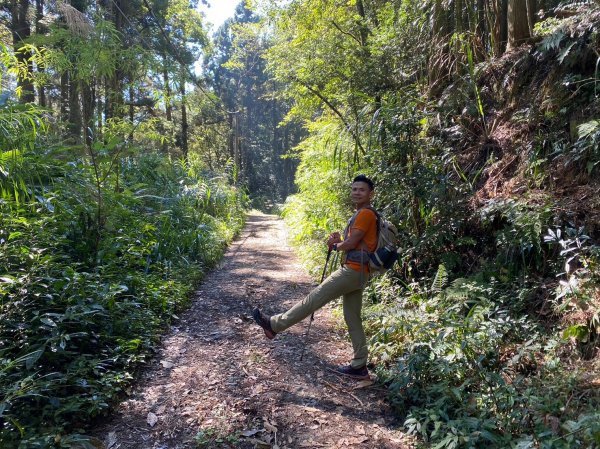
<point>349,225</point>
<point>378,217</point>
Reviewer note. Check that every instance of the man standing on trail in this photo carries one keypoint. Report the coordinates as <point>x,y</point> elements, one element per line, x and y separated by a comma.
<point>360,239</point>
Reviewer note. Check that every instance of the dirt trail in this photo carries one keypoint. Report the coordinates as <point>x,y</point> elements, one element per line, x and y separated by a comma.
<point>217,382</point>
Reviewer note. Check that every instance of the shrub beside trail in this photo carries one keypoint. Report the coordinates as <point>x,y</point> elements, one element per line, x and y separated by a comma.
<point>91,273</point>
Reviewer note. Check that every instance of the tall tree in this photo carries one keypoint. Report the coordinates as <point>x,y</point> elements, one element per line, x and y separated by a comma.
<point>179,38</point>
<point>257,141</point>
<point>499,28</point>
<point>20,28</point>
<point>115,14</point>
<point>40,29</point>
<point>518,23</point>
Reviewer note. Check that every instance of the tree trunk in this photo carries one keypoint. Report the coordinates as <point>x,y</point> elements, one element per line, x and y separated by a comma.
<point>75,124</point>
<point>518,23</point>
<point>458,16</point>
<point>168,96</point>
<point>499,26</point>
<point>99,124</point>
<point>480,29</point>
<point>531,14</point>
<point>64,97</point>
<point>238,146</point>
<point>167,87</point>
<point>184,122</point>
<point>234,145</point>
<point>40,29</point>
<point>231,137</point>
<point>114,92</point>
<point>481,35</point>
<point>288,175</point>
<point>131,102</point>
<point>21,31</point>
<point>503,25</point>
<point>131,111</point>
<point>88,100</point>
<point>100,109</point>
<point>275,148</point>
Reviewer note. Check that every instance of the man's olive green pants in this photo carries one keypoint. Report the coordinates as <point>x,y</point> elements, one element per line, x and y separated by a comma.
<point>344,282</point>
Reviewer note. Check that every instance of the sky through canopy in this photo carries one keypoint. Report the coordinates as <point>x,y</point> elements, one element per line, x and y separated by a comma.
<point>218,11</point>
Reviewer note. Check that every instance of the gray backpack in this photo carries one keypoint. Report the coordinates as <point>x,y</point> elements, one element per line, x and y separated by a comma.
<point>386,252</point>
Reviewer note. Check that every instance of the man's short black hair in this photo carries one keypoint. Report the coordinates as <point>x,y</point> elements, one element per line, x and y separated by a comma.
<point>363,178</point>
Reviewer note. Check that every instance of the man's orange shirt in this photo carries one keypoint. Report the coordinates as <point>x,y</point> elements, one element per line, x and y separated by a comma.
<point>366,221</point>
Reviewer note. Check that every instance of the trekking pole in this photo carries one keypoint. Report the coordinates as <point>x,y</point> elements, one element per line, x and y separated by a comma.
<point>312,315</point>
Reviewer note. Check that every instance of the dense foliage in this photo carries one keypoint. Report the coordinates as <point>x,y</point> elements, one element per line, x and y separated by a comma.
<point>95,261</point>
<point>110,205</point>
<point>484,153</point>
<point>259,141</point>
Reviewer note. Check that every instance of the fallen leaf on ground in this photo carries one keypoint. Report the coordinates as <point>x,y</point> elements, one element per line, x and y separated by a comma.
<point>249,433</point>
<point>111,440</point>
<point>270,427</point>
<point>152,419</point>
<point>363,384</point>
<point>359,430</point>
<point>310,443</point>
<point>337,401</point>
<point>311,409</point>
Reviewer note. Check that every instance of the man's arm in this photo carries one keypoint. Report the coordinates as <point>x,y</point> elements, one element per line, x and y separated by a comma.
<point>348,244</point>
<point>352,241</point>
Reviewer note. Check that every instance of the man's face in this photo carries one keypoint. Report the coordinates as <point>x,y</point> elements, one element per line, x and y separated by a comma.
<point>361,193</point>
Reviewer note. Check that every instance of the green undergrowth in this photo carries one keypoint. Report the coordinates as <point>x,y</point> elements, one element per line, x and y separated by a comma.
<point>486,333</point>
<point>467,367</point>
<point>323,206</point>
<point>92,270</point>
<point>471,362</point>
<point>500,357</point>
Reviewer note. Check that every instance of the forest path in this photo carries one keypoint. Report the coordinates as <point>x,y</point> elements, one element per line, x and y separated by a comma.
<point>217,382</point>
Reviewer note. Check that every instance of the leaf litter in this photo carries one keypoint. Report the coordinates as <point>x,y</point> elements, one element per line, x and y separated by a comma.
<point>217,382</point>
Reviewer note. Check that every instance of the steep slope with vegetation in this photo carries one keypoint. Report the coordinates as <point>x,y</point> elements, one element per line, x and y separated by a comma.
<point>482,135</point>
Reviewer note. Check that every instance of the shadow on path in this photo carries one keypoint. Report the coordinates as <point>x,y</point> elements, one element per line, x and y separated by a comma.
<point>217,382</point>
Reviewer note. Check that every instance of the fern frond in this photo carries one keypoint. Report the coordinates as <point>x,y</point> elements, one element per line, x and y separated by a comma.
<point>440,279</point>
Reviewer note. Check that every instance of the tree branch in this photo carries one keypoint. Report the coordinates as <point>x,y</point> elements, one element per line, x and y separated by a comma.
<point>347,33</point>
<point>335,110</point>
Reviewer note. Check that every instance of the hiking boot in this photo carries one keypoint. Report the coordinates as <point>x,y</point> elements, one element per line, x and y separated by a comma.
<point>264,321</point>
<point>355,373</point>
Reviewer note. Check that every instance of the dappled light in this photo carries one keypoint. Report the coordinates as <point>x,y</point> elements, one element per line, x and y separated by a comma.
<point>171,193</point>
<point>217,378</point>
